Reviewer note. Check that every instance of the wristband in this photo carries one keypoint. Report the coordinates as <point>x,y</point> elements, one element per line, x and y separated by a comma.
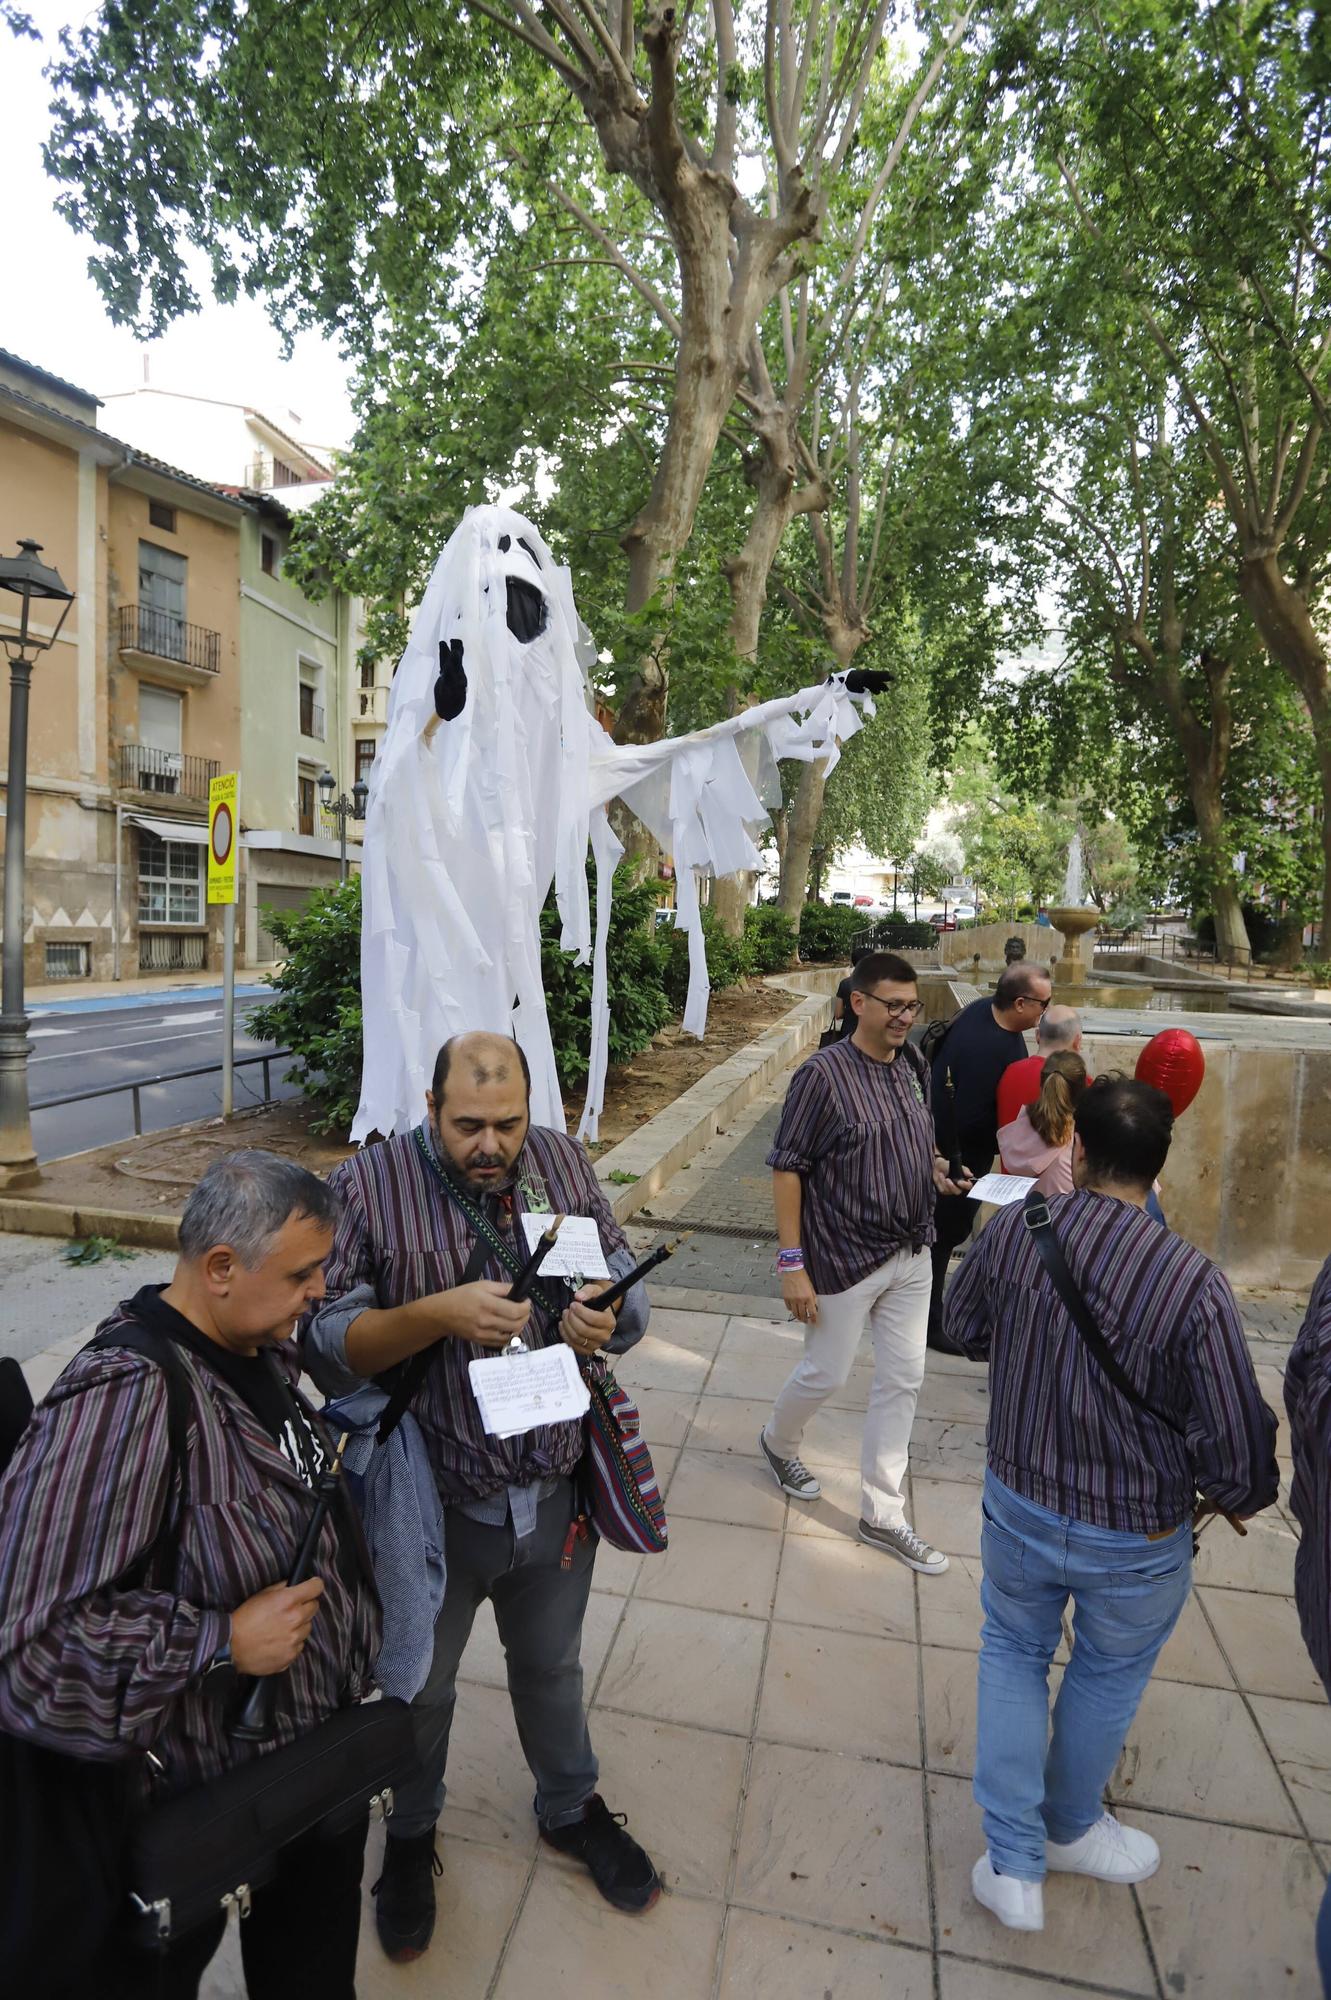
<point>789,1260</point>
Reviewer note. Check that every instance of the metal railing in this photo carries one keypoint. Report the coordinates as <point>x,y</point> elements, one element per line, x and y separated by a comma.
<point>145,770</point>
<point>1183,949</point>
<point>144,629</point>
<point>167,1076</point>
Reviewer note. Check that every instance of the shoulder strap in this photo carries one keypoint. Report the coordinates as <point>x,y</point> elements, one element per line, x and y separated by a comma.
<point>414,1370</point>
<point>141,1340</point>
<point>1041,1225</point>
<point>482,1227</point>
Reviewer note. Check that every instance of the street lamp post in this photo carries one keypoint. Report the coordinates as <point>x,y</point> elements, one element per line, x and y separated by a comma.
<point>343,809</point>
<point>28,579</point>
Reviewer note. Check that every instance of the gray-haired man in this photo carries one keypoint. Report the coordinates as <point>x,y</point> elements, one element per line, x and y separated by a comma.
<point>1058,1028</point>
<point>110,1647</point>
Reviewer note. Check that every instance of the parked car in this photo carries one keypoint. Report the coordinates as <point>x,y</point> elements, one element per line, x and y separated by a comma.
<point>943,923</point>
<point>883,903</point>
<point>964,912</point>
<point>843,897</point>
<point>864,902</point>
<point>664,918</point>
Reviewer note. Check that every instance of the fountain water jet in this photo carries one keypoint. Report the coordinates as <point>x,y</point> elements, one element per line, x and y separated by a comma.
<point>1073,920</point>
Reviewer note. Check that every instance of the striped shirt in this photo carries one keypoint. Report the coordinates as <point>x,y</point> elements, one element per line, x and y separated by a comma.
<point>1060,1433</point>
<point>98,1665</point>
<point>401,1238</point>
<point>859,1134</point>
<point>1308,1406</point>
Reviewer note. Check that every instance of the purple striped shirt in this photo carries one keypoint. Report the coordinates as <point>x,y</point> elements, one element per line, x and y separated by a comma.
<point>860,1136</point>
<point>98,1667</point>
<point>1059,1431</point>
<point>401,1238</point>
<point>1308,1406</point>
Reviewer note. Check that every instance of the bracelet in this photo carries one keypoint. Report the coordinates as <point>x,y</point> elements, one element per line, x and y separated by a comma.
<point>789,1260</point>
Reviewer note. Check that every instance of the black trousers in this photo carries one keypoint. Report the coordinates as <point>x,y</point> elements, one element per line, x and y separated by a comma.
<point>954,1219</point>
<point>299,1937</point>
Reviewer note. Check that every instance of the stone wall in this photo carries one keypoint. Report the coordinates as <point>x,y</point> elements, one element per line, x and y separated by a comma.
<point>1041,941</point>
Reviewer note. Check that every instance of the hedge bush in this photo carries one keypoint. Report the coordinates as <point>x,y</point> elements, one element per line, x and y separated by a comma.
<point>826,931</point>
<point>772,938</point>
<point>899,934</point>
<point>728,960</point>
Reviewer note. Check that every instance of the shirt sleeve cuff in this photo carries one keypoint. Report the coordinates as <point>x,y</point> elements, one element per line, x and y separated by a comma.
<point>324,1347</point>
<point>789,1163</point>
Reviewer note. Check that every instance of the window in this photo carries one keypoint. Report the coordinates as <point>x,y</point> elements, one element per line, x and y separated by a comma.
<point>283,474</point>
<point>367,673</point>
<point>161,601</point>
<point>162,516</point>
<point>311,714</point>
<point>365,747</point>
<point>305,801</point>
<point>170,880</point>
<point>268,554</point>
<point>68,961</point>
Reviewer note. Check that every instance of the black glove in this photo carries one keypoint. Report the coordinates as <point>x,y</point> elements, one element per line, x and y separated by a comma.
<point>868,680</point>
<point>450,690</point>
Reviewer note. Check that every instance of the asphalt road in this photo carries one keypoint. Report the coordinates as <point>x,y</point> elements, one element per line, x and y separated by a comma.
<point>85,1051</point>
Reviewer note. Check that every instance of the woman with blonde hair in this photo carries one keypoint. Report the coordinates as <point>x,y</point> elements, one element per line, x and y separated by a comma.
<point>1039,1139</point>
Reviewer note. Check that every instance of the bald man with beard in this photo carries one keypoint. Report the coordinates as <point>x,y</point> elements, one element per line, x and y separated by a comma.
<point>416,1264</point>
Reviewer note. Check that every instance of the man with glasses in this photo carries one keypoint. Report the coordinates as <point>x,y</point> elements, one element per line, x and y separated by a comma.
<point>982,1042</point>
<point>854,1176</point>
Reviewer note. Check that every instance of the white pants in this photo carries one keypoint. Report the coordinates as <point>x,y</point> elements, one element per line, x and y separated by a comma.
<point>893,1302</point>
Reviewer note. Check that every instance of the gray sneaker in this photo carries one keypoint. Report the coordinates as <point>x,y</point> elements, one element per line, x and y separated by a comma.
<point>791,1475</point>
<point>903,1543</point>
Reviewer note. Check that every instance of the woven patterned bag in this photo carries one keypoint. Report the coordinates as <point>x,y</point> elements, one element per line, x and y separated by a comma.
<point>623,1498</point>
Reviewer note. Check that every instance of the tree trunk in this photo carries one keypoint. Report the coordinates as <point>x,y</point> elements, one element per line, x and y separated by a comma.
<point>802,827</point>
<point>1280,613</point>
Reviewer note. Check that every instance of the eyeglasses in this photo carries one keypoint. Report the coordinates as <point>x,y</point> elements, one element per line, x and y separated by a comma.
<point>898,1010</point>
<point>1041,1004</point>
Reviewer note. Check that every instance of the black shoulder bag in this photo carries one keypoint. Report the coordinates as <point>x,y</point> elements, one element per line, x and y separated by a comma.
<point>63,1819</point>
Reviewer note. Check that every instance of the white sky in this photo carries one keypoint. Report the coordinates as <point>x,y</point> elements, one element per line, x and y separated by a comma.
<point>51,312</point>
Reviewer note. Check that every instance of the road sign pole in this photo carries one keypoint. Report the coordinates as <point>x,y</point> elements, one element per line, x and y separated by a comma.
<point>228,1007</point>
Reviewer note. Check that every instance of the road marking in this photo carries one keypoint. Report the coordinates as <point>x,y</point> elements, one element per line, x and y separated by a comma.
<point>41,1034</point>
<point>114,1048</point>
<point>181,1020</point>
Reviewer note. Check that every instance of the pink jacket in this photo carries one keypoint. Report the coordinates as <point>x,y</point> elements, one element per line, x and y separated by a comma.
<point>1023,1151</point>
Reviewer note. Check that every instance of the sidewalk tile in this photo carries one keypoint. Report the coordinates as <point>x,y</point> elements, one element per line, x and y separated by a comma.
<point>710,1486</point>
<point>714,1568</point>
<point>660,1364</point>
<point>761,1337</point>
<point>1195,1750</point>
<point>841,1691</point>
<point>960,1981</point>
<point>569,1943</point>
<point>955,1398</point>
<point>1262,1637</point>
<point>699,1332</point>
<point>677,1665</point>
<point>666,1414</point>
<point>478,1897</point>
<point>784,1960</point>
<point>489,1786</point>
<point>950,1605</point>
<point>941,1448</point>
<point>1191,1654</point>
<point>1262,1560</point>
<point>837,1513</point>
<point>1087,1924</point>
<point>483,1660</point>
<point>834,1840</point>
<point>1298,1735</point>
<point>616,1570</point>
<point>949,1711</point>
<point>729,1423</point>
<point>846,1586</point>
<point>756,1376</point>
<point>1231,1912</point>
<point>947,1513</point>
<point>834,1437</point>
<point>681,1790</point>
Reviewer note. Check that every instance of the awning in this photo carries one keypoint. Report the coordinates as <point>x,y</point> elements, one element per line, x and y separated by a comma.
<point>193,831</point>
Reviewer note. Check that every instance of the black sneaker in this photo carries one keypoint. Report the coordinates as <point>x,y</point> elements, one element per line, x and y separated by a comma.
<point>404,1896</point>
<point>621,1871</point>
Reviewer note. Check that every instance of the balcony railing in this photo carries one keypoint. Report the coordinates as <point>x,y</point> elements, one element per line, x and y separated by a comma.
<point>145,770</point>
<point>143,629</point>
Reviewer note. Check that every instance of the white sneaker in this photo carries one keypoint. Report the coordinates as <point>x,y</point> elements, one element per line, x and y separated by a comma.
<point>1109,1851</point>
<point>1019,1905</point>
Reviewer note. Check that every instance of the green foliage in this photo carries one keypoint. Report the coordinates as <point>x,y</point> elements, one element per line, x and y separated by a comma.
<point>95,1250</point>
<point>901,934</point>
<point>729,960</point>
<point>771,936</point>
<point>636,962</point>
<point>317,1012</point>
<point>1263,926</point>
<point>826,932</point>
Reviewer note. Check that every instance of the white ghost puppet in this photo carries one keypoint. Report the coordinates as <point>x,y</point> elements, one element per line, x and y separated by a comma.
<point>493,776</point>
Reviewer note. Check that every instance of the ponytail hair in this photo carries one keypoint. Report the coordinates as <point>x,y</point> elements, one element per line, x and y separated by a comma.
<point>1062,1081</point>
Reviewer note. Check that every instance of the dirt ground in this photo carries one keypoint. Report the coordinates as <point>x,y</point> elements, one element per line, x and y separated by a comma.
<point>152,1175</point>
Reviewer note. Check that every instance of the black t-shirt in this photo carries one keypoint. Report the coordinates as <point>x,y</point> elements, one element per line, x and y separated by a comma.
<point>846,1025</point>
<point>254,1377</point>
<point>975,1051</point>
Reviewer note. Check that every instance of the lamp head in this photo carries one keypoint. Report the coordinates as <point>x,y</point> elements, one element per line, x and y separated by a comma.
<point>360,792</point>
<point>327,786</point>
<point>28,579</point>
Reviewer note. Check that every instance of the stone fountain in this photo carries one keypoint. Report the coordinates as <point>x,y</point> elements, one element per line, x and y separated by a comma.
<point>1073,920</point>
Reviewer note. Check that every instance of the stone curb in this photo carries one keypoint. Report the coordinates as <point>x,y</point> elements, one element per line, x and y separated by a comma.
<point>58,1218</point>
<point>674,1135</point>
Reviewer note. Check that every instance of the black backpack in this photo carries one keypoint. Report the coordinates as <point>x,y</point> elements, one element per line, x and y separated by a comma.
<point>932,1039</point>
<point>62,1818</point>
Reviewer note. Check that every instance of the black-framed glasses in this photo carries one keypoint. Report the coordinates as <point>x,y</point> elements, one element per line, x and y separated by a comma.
<point>1041,1004</point>
<point>898,1010</point>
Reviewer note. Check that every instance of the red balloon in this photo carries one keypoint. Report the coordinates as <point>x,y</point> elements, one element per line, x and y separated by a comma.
<point>1173,1062</point>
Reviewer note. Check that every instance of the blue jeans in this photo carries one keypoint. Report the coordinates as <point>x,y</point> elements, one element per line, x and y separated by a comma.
<point>1128,1593</point>
<point>1324,1941</point>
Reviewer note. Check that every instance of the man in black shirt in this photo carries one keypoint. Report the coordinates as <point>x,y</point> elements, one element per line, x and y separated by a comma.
<point>983,1039</point>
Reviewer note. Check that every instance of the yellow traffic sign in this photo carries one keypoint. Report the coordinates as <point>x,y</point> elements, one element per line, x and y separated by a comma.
<point>223,836</point>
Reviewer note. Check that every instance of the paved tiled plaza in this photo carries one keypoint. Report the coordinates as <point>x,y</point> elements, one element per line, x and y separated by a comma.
<point>788,1718</point>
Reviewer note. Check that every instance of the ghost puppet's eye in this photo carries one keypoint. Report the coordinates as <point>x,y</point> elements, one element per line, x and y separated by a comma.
<point>528,613</point>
